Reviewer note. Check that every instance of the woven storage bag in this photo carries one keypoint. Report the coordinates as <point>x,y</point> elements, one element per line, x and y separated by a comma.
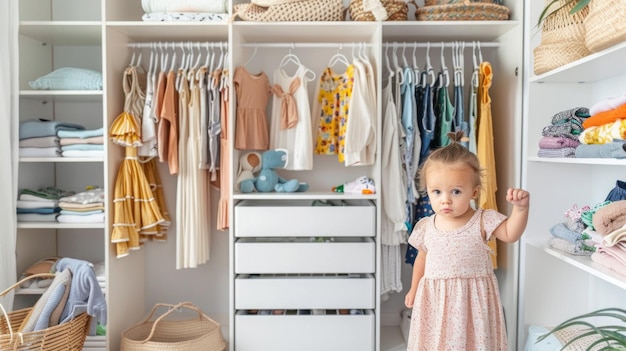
<point>461,10</point>
<point>605,24</point>
<point>396,10</point>
<point>161,334</point>
<point>68,336</point>
<point>562,38</point>
<point>305,10</point>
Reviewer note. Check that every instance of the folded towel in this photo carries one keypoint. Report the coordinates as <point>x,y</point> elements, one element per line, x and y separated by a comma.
<point>93,218</point>
<point>47,141</point>
<point>50,192</point>
<point>614,149</point>
<point>86,197</point>
<point>36,204</point>
<point>91,140</point>
<point>610,217</point>
<point>578,249</point>
<point>83,153</point>
<point>615,237</point>
<point>548,142</point>
<point>560,231</point>
<point>608,258</point>
<point>41,127</point>
<point>87,133</point>
<point>40,151</point>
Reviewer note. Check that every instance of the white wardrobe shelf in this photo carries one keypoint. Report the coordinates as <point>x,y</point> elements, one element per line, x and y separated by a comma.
<point>170,31</point>
<point>61,159</point>
<point>56,225</point>
<point>583,263</point>
<point>589,69</point>
<point>580,161</point>
<point>63,32</point>
<point>314,32</point>
<point>308,195</point>
<point>447,30</point>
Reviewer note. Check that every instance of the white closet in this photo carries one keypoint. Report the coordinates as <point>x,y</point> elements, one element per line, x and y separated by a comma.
<point>96,34</point>
<point>556,286</point>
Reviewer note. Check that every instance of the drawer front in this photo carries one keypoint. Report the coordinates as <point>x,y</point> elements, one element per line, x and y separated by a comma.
<point>299,218</point>
<point>305,292</point>
<point>304,333</point>
<point>341,256</point>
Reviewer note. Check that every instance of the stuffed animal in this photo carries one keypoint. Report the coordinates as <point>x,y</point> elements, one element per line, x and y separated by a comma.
<point>268,180</point>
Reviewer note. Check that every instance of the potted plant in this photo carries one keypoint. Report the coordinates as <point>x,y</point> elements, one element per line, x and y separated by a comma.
<point>609,337</point>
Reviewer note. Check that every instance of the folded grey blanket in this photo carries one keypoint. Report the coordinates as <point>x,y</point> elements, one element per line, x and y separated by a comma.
<point>616,149</point>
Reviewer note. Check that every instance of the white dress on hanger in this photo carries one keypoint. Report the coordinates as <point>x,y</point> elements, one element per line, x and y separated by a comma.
<point>298,140</point>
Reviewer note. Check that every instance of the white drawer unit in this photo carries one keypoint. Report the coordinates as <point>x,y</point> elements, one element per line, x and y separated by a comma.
<point>304,275</point>
<point>276,218</point>
<point>302,255</point>
<point>337,291</point>
<point>305,332</point>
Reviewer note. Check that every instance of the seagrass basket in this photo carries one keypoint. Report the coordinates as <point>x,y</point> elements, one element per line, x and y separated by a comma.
<point>397,10</point>
<point>304,10</point>
<point>562,38</point>
<point>605,24</point>
<point>461,10</point>
<point>172,334</point>
<point>68,336</point>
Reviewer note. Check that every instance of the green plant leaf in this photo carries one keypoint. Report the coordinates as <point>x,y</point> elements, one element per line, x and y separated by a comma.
<point>579,6</point>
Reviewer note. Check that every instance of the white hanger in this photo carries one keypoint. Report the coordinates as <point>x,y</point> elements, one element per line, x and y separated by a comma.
<point>416,68</point>
<point>388,64</point>
<point>173,63</point>
<point>289,58</point>
<point>196,65</point>
<point>475,78</point>
<point>396,65</point>
<point>251,57</point>
<point>429,68</point>
<point>444,68</point>
<point>164,56</point>
<point>338,58</point>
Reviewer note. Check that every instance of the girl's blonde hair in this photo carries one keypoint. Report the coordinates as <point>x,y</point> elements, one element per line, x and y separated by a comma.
<point>453,153</point>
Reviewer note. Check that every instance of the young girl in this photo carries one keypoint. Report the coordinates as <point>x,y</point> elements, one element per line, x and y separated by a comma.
<point>454,292</point>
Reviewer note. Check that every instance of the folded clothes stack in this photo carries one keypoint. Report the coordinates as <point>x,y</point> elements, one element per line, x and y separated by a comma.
<point>40,205</point>
<point>184,10</point>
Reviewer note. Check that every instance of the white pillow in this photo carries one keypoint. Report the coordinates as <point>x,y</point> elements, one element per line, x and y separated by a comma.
<point>69,78</point>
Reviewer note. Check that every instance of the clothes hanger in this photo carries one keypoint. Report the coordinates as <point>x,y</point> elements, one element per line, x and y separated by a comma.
<point>396,65</point>
<point>416,68</point>
<point>390,71</point>
<point>338,58</point>
<point>290,58</point>
<point>444,68</point>
<point>173,63</point>
<point>253,54</point>
<point>428,69</point>
<point>407,76</point>
<point>475,78</point>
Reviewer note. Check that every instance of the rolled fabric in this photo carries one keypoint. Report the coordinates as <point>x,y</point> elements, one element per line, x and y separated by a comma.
<point>610,217</point>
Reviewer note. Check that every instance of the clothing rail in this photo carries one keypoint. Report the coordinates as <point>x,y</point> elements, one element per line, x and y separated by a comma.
<point>179,45</point>
<point>361,44</point>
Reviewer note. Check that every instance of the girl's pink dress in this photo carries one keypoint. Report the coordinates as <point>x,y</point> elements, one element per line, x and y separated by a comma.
<point>457,306</point>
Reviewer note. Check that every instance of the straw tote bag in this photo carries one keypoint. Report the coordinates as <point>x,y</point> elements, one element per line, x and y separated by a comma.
<point>169,334</point>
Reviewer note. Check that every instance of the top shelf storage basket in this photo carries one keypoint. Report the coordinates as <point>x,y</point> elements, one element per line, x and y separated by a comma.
<point>461,10</point>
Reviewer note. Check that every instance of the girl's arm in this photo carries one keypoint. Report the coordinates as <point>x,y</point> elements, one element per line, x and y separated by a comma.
<point>512,229</point>
<point>418,273</point>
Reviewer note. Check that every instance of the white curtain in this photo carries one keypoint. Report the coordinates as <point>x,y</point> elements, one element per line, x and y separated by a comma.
<point>8,143</point>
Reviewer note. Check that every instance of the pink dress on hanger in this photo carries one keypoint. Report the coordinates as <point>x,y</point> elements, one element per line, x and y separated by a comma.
<point>457,305</point>
<point>253,93</point>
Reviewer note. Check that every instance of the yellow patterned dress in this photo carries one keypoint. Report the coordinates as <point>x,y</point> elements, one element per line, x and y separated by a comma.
<point>333,106</point>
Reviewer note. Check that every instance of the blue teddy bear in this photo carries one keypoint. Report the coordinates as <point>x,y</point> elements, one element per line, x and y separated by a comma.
<point>268,180</point>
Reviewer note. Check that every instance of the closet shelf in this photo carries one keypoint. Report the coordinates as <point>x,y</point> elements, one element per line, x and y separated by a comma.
<point>313,32</point>
<point>583,263</point>
<point>170,31</point>
<point>447,30</point>
<point>61,159</point>
<point>62,95</point>
<point>308,195</point>
<point>580,161</point>
<point>63,32</point>
<point>54,225</point>
<point>592,68</point>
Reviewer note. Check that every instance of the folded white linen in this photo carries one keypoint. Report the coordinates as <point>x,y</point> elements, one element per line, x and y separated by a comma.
<point>216,6</point>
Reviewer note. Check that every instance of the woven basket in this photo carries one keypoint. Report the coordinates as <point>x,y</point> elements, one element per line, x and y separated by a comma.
<point>68,336</point>
<point>562,38</point>
<point>397,10</point>
<point>461,10</point>
<point>306,10</point>
<point>605,24</point>
<point>197,334</point>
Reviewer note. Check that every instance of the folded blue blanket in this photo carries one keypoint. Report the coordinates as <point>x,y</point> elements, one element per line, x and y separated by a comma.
<point>34,128</point>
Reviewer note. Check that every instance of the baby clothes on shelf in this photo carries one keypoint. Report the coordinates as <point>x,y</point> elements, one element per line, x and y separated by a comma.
<point>84,207</point>
<point>39,205</point>
<point>39,137</point>
<point>253,93</point>
<point>82,143</point>
<point>560,138</point>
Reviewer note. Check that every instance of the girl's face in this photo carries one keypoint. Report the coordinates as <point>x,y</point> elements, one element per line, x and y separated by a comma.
<point>450,189</point>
